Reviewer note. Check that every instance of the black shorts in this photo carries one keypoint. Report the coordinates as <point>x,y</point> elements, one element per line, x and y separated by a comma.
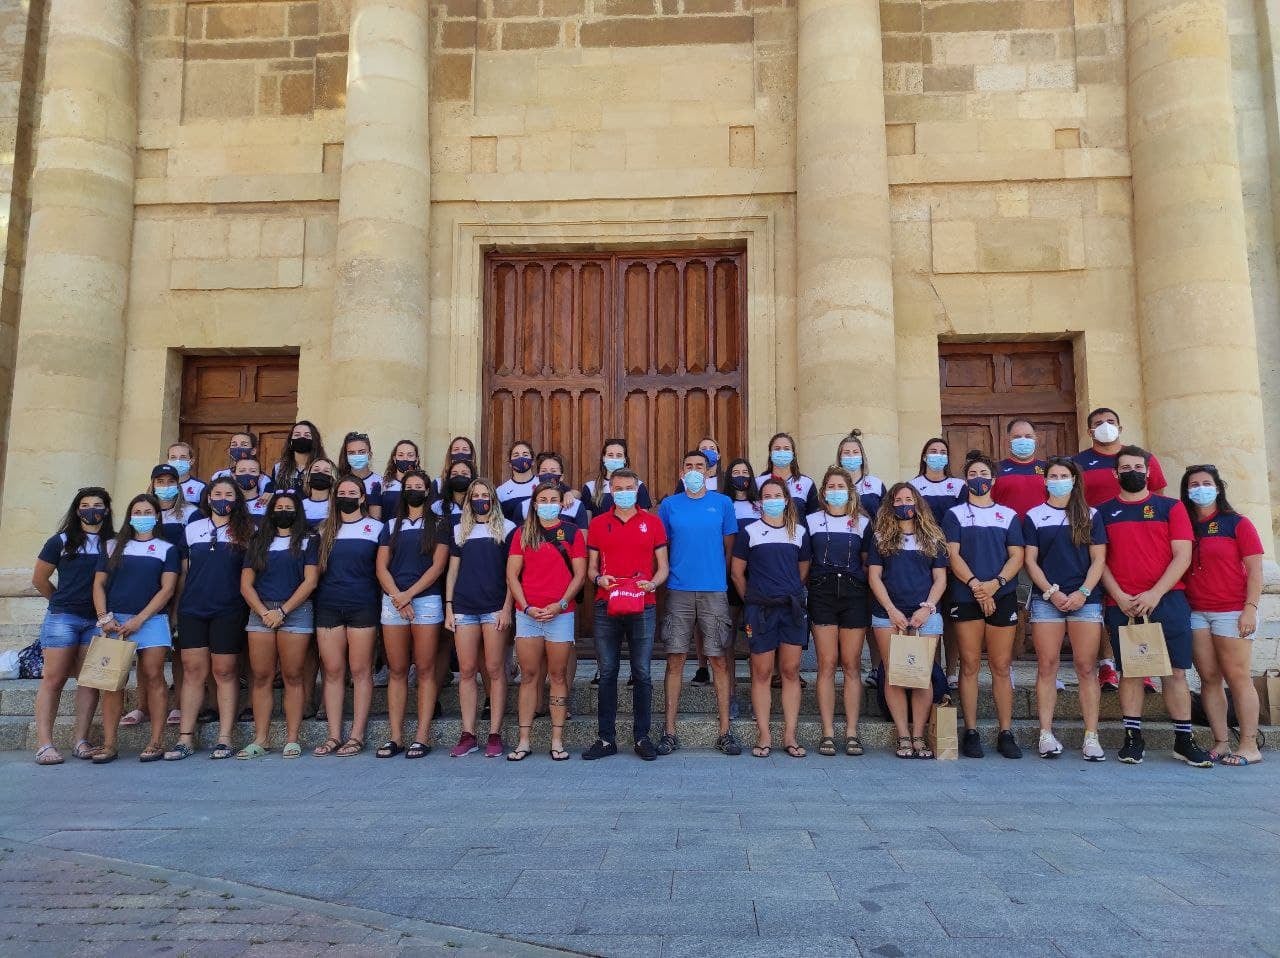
<point>839,600</point>
<point>352,617</point>
<point>221,635</point>
<point>1005,614</point>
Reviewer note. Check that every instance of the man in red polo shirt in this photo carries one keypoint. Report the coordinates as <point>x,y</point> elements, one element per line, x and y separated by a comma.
<point>627,549</point>
<point>1020,478</point>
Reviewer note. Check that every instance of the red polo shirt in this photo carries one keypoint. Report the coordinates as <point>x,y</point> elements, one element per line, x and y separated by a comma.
<point>627,548</point>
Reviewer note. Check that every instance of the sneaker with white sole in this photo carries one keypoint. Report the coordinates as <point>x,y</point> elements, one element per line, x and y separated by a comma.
<point>1049,746</point>
<point>1092,748</point>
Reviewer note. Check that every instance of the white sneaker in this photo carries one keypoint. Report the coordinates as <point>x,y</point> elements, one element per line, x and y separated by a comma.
<point>381,677</point>
<point>1092,750</point>
<point>1050,747</point>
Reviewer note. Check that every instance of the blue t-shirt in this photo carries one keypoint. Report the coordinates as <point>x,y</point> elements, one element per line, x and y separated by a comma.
<point>773,558</point>
<point>837,543</point>
<point>870,494</point>
<point>73,594</point>
<point>695,540</point>
<point>512,495</point>
<point>212,586</point>
<point>907,575</point>
<point>390,497</point>
<point>285,568</point>
<point>576,515</point>
<point>480,586</point>
<point>804,492</point>
<point>1063,562</point>
<point>173,525</point>
<point>984,534</point>
<point>745,512</point>
<point>136,580</point>
<point>941,495</point>
<point>192,489</point>
<point>407,563</point>
<point>350,580</point>
<point>588,493</point>
<point>316,510</point>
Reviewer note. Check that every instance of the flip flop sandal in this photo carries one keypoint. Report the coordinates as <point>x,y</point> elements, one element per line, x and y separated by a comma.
<point>904,749</point>
<point>83,750</point>
<point>389,750</point>
<point>105,758</point>
<point>150,754</point>
<point>417,750</point>
<point>220,751</point>
<point>826,745</point>
<point>519,754</point>
<point>48,755</point>
<point>133,717</point>
<point>179,752</point>
<point>350,748</point>
<point>558,755</point>
<point>853,746</point>
<point>922,750</point>
<point>252,750</point>
<point>291,750</point>
<point>327,747</point>
<point>762,751</point>
<point>175,717</point>
<point>795,751</point>
<point>1234,760</point>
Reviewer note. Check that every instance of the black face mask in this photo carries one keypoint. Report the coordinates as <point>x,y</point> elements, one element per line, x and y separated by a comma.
<point>91,515</point>
<point>415,497</point>
<point>240,452</point>
<point>222,507</point>
<point>548,477</point>
<point>1133,481</point>
<point>460,456</point>
<point>459,483</point>
<point>302,444</point>
<point>321,480</point>
<point>348,505</point>
<point>283,520</point>
<point>247,482</point>
<point>521,464</point>
<point>739,482</point>
<point>404,465</point>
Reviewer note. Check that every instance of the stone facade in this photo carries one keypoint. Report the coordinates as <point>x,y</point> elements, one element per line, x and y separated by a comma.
<point>323,176</point>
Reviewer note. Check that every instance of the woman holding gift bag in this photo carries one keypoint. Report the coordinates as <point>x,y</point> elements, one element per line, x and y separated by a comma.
<point>907,574</point>
<point>132,586</point>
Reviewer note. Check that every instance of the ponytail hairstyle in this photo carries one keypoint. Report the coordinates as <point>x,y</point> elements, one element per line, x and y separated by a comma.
<point>260,544</point>
<point>795,457</point>
<point>789,516</point>
<point>602,477</point>
<point>854,506</point>
<point>924,468</point>
<point>448,459</point>
<point>126,533</point>
<point>749,494</point>
<point>389,473</point>
<point>71,528</point>
<point>889,535</point>
<point>239,522</point>
<point>334,521</point>
<point>495,521</point>
<point>430,526</point>
<point>855,437</point>
<point>977,455</point>
<point>1078,515</point>
<point>532,535</point>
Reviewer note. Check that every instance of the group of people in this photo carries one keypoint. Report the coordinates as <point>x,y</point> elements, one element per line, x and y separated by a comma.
<point>301,565</point>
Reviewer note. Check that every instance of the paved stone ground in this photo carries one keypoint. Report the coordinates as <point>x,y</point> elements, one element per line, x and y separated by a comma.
<point>694,855</point>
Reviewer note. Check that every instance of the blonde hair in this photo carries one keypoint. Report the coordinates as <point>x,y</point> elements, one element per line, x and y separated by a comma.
<point>532,535</point>
<point>854,506</point>
<point>889,535</point>
<point>789,518</point>
<point>495,521</point>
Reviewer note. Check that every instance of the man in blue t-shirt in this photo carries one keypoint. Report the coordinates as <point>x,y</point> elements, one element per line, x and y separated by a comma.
<point>701,526</point>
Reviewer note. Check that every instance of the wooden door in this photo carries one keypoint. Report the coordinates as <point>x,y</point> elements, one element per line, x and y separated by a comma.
<point>223,395</point>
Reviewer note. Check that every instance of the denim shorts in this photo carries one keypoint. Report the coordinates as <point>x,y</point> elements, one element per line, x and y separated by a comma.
<point>301,620</point>
<point>932,625</point>
<point>1042,611</point>
<point>559,629</point>
<point>154,632</point>
<point>62,630</point>
<point>484,618</point>
<point>427,610</point>
<point>1225,624</point>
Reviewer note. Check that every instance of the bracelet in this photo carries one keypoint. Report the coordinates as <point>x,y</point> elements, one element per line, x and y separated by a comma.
<point>448,602</point>
<point>1085,591</point>
<point>972,579</point>
<point>1047,594</point>
<point>1254,604</point>
<point>930,606</point>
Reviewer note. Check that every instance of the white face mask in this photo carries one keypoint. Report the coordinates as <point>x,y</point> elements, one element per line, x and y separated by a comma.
<point>1106,432</point>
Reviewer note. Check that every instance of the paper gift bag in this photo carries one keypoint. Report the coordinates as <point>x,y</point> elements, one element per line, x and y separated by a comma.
<point>107,663</point>
<point>1268,686</point>
<point>944,738</point>
<point>1143,653</point>
<point>911,661</point>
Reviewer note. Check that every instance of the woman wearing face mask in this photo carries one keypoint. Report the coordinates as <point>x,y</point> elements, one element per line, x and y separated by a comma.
<point>478,611</point>
<point>546,568</point>
<point>986,546</point>
<point>318,489</point>
<point>785,469</point>
<point>356,453</point>
<point>280,572</point>
<point>740,485</point>
<point>404,458</point>
<point>413,554</point>
<point>183,459</point>
<point>303,448</point>
<point>248,476</point>
<point>175,511</point>
<point>212,612</point>
<point>347,607</point>
<point>461,449</point>
<point>244,445</point>
<point>940,491</point>
<point>550,468</point>
<point>1224,587</point>
<point>907,575</point>
<point>1066,553</point>
<point>769,568</point>
<point>69,623</point>
<point>851,456</point>
<point>461,475</point>
<point>838,603</point>
<point>134,581</point>
<point>595,492</point>
<point>517,490</point>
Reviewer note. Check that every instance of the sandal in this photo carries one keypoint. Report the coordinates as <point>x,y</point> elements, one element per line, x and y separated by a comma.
<point>179,752</point>
<point>1236,760</point>
<point>103,757</point>
<point>291,750</point>
<point>853,746</point>
<point>417,750</point>
<point>904,749</point>
<point>48,755</point>
<point>175,717</point>
<point>826,745</point>
<point>519,754</point>
<point>133,717</point>
<point>388,750</point>
<point>83,750</point>
<point>558,754</point>
<point>152,753</point>
<point>762,751</point>
<point>795,751</point>
<point>252,750</point>
<point>326,747</point>
<point>351,747</point>
<point>922,750</point>
<point>220,751</point>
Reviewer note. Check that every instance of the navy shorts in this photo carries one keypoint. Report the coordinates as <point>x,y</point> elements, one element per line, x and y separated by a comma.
<point>771,626</point>
<point>1174,615</point>
<point>839,600</point>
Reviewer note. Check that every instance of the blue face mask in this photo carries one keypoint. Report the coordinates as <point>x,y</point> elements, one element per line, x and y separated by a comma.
<point>694,481</point>
<point>1022,447</point>
<point>837,498</point>
<point>166,493</point>
<point>358,460</point>
<point>221,507</point>
<point>713,458</point>
<point>182,465</point>
<point>143,524</point>
<point>782,457</point>
<point>905,512</point>
<point>773,508</point>
<point>1059,487</point>
<point>613,463</point>
<point>978,485</point>
<point>1203,495</point>
<point>548,511</point>
<point>521,464</point>
<point>936,461</point>
<point>625,498</point>
<point>240,452</point>
<point>852,463</point>
<point>740,482</point>
<point>548,477</point>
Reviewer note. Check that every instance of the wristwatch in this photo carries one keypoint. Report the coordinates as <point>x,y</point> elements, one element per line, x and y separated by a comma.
<point>1002,580</point>
<point>564,605</point>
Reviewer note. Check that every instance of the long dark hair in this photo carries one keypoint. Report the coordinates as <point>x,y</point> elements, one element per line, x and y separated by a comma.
<point>946,470</point>
<point>344,466</point>
<point>389,472</point>
<point>1077,508</point>
<point>334,520</point>
<point>749,494</point>
<point>74,532</point>
<point>429,535</point>
<point>1222,505</point>
<point>602,477</point>
<point>239,522</point>
<point>448,458</point>
<point>126,534</point>
<point>260,544</point>
<point>284,469</point>
<point>795,456</point>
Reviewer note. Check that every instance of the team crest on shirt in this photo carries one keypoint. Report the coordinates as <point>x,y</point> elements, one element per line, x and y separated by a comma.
<point>1039,470</point>
<point>999,515</point>
<point>560,534</point>
<point>1213,527</point>
<point>367,527</point>
<point>1148,512</point>
<point>644,527</point>
<point>151,547</point>
<point>950,487</point>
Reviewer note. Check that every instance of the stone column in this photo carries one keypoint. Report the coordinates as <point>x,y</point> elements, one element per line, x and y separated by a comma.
<point>378,344</point>
<point>1195,312</point>
<point>844,279</point>
<point>71,331</point>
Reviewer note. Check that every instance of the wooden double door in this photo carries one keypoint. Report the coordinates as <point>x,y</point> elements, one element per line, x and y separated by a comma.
<point>223,395</point>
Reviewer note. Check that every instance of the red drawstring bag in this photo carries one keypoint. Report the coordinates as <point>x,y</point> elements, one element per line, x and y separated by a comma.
<point>626,598</point>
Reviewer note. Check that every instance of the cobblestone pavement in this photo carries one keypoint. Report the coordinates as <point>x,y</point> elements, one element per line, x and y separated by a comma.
<point>693,855</point>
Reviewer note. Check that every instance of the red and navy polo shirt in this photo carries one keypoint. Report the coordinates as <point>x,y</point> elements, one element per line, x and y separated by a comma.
<point>1100,482</point>
<point>1216,580</point>
<point>1020,485</point>
<point>1140,538</point>
<point>627,547</point>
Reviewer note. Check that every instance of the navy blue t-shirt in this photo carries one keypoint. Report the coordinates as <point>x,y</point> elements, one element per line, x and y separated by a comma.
<point>481,583</point>
<point>390,497</point>
<point>407,563</point>
<point>907,575</point>
<point>212,586</point>
<point>803,490</point>
<point>588,492</point>
<point>512,495</point>
<point>1063,562</point>
<point>285,568</point>
<point>350,580</point>
<point>773,558</point>
<point>73,594</point>
<point>745,512</point>
<point>315,510</point>
<point>984,534</point>
<point>136,579</point>
<point>173,525</point>
<point>941,495</point>
<point>837,543</point>
<point>870,493</point>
